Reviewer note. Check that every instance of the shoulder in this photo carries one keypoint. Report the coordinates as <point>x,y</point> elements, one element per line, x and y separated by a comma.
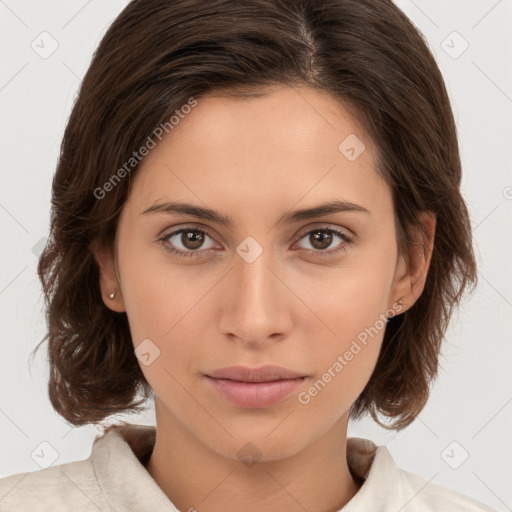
<point>422,495</point>
<point>389,488</point>
<point>94,484</point>
<point>71,486</point>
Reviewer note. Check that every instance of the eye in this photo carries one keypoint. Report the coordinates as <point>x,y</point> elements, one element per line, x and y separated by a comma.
<point>190,241</point>
<point>187,240</point>
<point>323,237</point>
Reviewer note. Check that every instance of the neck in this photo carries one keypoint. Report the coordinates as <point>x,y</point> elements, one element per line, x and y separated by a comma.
<point>196,477</point>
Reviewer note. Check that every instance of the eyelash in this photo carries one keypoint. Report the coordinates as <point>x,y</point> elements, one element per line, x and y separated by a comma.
<point>343,246</point>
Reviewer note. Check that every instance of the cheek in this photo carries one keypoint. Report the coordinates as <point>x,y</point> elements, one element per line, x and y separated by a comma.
<point>352,306</point>
<point>164,305</point>
<point>352,297</point>
<point>153,298</point>
<point>159,320</point>
<point>342,379</point>
<point>161,311</point>
<point>345,359</point>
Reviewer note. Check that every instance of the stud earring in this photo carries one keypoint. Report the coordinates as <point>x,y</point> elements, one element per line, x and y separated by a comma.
<point>112,295</point>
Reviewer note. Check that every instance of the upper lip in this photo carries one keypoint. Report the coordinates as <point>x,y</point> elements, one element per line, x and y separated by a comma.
<point>265,373</point>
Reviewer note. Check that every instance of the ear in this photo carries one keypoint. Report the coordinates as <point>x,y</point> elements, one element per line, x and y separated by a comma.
<point>108,278</point>
<point>410,279</point>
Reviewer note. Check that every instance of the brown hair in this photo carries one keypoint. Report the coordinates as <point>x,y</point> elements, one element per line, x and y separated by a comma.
<point>160,53</point>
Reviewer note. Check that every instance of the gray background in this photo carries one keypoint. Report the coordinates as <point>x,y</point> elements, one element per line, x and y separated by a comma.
<point>462,438</point>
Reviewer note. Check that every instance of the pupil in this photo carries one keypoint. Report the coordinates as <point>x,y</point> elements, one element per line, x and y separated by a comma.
<point>325,239</point>
<point>192,239</point>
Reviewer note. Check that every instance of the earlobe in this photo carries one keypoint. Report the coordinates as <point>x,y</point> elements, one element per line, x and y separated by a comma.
<point>109,285</point>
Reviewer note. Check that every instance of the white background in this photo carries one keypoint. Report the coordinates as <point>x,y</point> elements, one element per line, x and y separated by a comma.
<point>471,402</point>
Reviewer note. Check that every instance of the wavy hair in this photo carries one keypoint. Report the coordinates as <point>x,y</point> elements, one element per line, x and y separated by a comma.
<point>156,55</point>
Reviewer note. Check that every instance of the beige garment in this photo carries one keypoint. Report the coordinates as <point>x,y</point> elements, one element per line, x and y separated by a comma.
<point>113,479</point>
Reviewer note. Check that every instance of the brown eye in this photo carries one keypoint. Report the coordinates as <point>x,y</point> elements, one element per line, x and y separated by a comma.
<point>192,239</point>
<point>321,239</point>
<point>186,241</point>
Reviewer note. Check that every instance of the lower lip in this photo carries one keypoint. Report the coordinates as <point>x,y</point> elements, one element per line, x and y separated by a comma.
<point>255,394</point>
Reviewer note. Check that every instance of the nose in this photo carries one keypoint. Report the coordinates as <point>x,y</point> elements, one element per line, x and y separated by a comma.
<point>255,302</point>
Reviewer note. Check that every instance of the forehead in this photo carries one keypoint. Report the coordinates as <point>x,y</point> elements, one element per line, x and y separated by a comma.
<point>287,147</point>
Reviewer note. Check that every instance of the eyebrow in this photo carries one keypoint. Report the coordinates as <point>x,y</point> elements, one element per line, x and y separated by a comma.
<point>288,218</point>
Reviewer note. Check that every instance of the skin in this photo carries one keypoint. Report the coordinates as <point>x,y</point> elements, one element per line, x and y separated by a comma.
<point>254,160</point>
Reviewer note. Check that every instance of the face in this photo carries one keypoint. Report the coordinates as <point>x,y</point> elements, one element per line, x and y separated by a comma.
<point>308,293</point>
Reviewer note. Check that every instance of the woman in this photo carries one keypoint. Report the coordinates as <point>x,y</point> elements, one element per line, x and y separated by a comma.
<point>256,220</point>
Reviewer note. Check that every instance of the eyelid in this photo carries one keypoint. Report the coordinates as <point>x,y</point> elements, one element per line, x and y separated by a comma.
<point>303,231</point>
<point>327,227</point>
<point>190,226</point>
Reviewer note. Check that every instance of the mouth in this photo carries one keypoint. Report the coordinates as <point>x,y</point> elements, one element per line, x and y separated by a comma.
<point>255,387</point>
<point>267,373</point>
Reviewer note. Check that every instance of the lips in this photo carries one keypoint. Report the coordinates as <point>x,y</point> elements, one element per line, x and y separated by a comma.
<point>255,387</point>
<point>267,373</point>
